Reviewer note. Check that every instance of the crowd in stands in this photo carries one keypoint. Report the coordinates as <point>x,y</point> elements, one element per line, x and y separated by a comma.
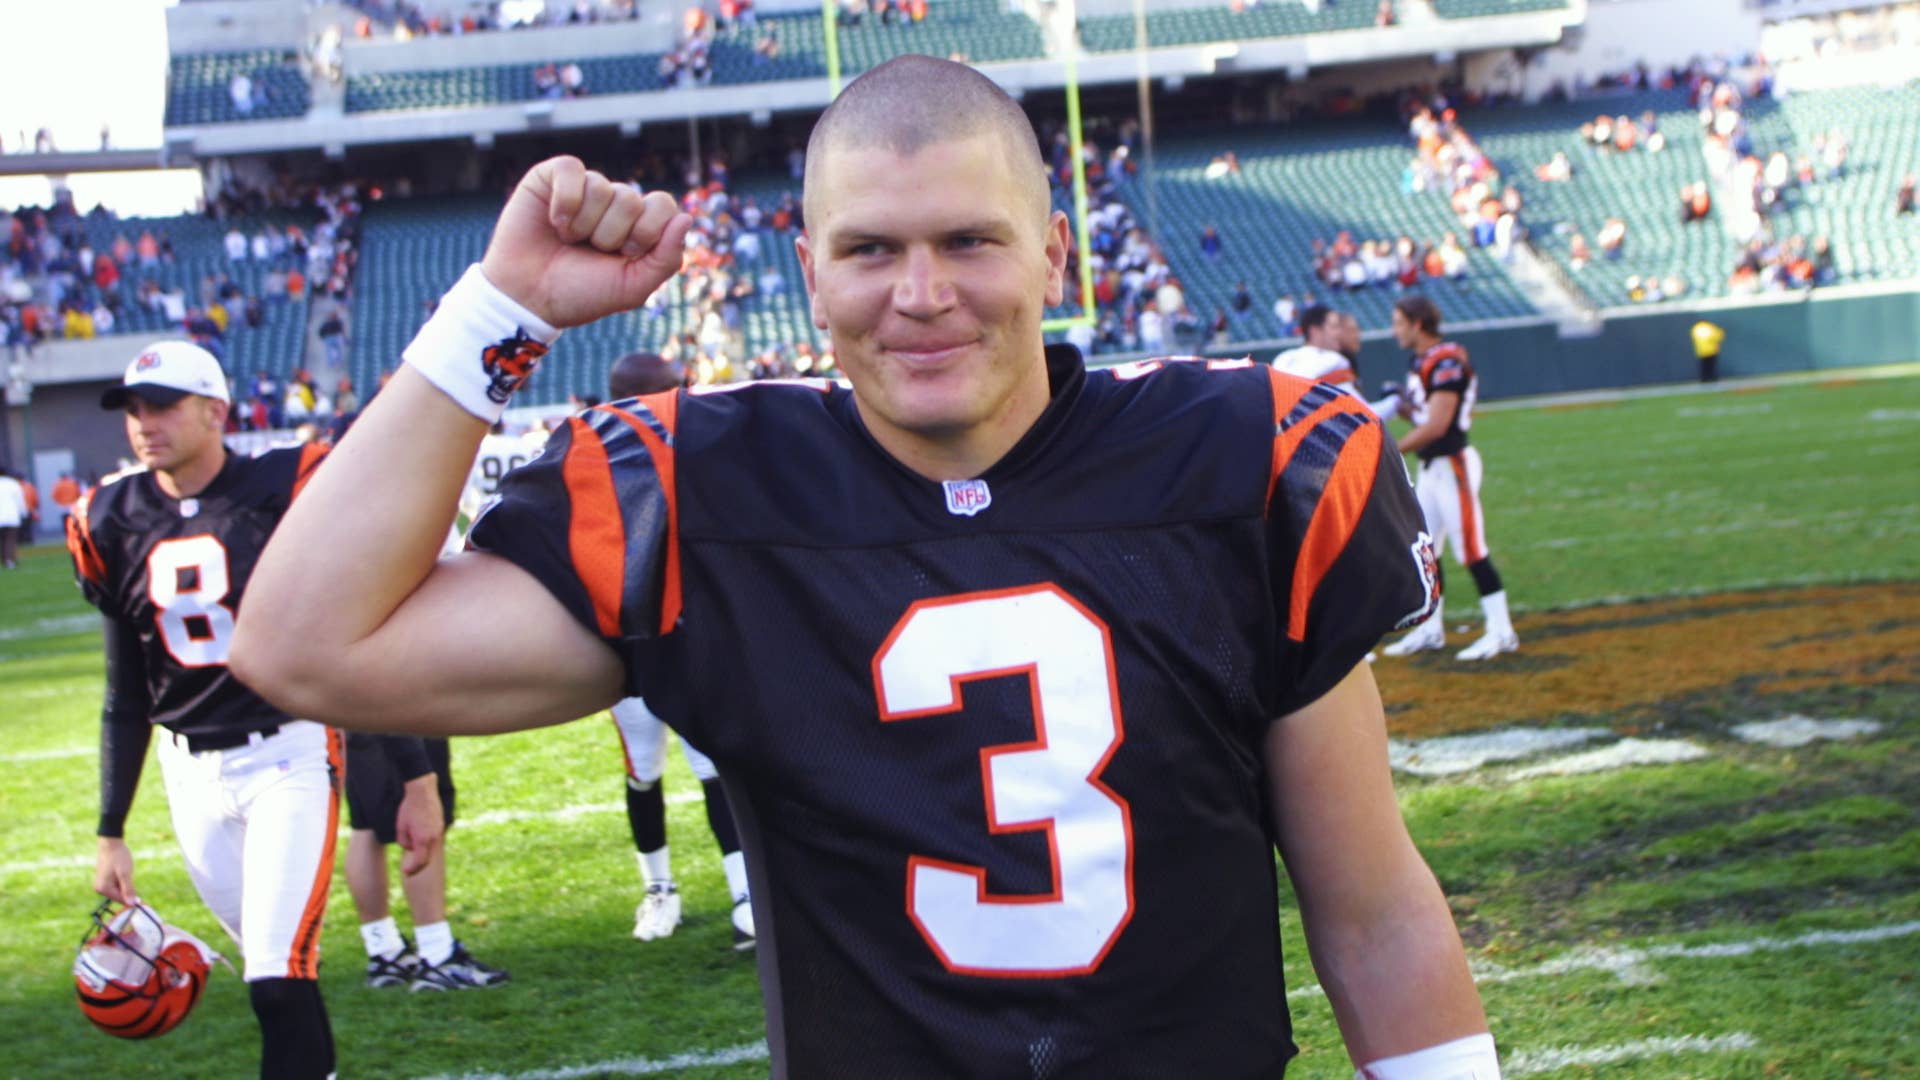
<point>560,80</point>
<point>421,18</point>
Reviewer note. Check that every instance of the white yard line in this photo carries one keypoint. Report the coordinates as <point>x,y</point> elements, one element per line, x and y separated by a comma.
<point>25,756</point>
<point>635,1066</point>
<point>1554,1058</point>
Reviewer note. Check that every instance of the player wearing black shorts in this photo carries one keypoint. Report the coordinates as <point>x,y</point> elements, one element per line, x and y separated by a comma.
<point>400,790</point>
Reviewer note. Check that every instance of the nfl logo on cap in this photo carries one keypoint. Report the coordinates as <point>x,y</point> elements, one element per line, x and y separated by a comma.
<point>967,497</point>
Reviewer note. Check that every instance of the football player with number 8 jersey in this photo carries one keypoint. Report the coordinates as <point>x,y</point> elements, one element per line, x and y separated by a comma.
<point>1016,673</point>
<point>165,551</point>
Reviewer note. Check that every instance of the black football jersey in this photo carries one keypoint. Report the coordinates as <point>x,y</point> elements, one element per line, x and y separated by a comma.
<point>1444,368</point>
<point>995,746</point>
<point>176,570</point>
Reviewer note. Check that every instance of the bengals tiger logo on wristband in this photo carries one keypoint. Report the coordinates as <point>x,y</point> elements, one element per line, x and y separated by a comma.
<point>509,362</point>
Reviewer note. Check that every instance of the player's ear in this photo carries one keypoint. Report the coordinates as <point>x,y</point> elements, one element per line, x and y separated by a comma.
<point>1059,243</point>
<point>803,247</point>
<point>217,411</point>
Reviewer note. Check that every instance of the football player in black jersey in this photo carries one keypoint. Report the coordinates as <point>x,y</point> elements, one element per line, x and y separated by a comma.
<point>1441,391</point>
<point>164,551</point>
<point>1017,673</point>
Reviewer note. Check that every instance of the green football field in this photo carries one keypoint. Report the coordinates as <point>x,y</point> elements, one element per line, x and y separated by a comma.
<point>1753,913</point>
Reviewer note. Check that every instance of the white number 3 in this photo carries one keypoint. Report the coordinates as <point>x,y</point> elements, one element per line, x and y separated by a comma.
<point>1051,784</point>
<point>187,580</point>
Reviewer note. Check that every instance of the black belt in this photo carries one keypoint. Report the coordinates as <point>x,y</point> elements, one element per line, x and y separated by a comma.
<point>222,740</point>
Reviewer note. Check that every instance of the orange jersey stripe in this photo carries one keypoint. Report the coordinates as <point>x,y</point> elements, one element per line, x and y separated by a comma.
<point>310,457</point>
<point>1288,441</point>
<point>304,963</point>
<point>596,533</point>
<point>86,557</point>
<point>665,407</point>
<point>1335,517</point>
<point>1287,392</point>
<point>1469,523</point>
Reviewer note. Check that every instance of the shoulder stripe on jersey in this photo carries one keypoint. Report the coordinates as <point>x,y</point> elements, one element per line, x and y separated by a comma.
<point>86,557</point>
<point>1296,416</point>
<point>654,422</point>
<point>1343,501</point>
<point>1446,350</point>
<point>596,536</point>
<point>310,457</point>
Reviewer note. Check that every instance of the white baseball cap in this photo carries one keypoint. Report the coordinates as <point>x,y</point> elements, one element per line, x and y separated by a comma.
<point>167,371</point>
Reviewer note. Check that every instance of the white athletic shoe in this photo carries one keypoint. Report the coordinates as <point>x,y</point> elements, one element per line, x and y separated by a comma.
<point>1490,645</point>
<point>1419,639</point>
<point>658,913</point>
<point>743,939</point>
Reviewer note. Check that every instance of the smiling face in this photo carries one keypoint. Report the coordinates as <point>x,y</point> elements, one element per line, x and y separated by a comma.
<point>930,268</point>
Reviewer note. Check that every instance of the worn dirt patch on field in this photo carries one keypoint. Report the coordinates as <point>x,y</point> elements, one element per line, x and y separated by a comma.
<point>1625,661</point>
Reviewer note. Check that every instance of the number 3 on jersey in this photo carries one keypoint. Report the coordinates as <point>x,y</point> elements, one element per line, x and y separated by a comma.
<point>1051,784</point>
<point>187,580</point>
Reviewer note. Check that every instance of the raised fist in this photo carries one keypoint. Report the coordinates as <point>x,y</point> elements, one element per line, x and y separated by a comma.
<point>573,246</point>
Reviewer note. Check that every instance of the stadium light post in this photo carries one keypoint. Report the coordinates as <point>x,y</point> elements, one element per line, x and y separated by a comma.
<point>1143,87</point>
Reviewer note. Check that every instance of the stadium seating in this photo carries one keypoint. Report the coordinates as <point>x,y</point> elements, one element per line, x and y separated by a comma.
<point>1196,26</point>
<point>1473,9</point>
<point>198,87</point>
<point>1643,189</point>
<point>982,30</point>
<point>413,250</point>
<point>1296,186</point>
<point>277,345</point>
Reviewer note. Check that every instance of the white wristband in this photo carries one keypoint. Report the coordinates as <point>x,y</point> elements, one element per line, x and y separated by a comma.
<point>1471,1058</point>
<point>480,345</point>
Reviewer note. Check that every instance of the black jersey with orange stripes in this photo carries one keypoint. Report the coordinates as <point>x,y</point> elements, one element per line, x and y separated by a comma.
<point>175,569</point>
<point>995,746</point>
<point>1444,368</point>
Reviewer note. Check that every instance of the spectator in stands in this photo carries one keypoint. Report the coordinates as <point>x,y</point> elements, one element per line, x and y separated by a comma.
<point>1286,313</point>
<point>573,82</point>
<point>1210,242</point>
<point>1903,199</point>
<point>333,335</point>
<point>1695,203</point>
<point>240,91</point>
<point>1557,170</point>
<point>236,245</point>
<point>1383,15</point>
<point>1613,237</point>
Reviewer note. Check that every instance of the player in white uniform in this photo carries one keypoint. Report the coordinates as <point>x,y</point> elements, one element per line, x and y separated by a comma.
<point>643,740</point>
<point>1329,356</point>
<point>165,551</point>
<point>1440,394</point>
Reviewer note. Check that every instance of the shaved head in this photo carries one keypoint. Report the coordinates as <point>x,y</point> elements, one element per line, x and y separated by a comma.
<point>914,101</point>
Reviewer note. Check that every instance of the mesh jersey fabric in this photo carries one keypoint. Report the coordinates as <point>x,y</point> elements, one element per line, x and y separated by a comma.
<point>1234,539</point>
<point>118,537</point>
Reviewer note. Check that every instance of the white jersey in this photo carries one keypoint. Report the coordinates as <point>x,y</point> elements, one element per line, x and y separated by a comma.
<point>499,455</point>
<point>1318,364</point>
<point>1334,369</point>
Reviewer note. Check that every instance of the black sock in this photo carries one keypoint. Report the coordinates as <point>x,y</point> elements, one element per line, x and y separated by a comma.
<point>720,817</point>
<point>1485,577</point>
<point>296,1041</point>
<point>647,816</point>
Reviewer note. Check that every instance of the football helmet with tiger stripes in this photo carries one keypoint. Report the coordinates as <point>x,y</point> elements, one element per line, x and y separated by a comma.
<point>136,976</point>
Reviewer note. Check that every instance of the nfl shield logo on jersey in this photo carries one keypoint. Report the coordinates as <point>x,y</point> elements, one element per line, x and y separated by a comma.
<point>967,497</point>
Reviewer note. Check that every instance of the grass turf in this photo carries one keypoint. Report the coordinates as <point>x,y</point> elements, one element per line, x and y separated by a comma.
<point>1582,898</point>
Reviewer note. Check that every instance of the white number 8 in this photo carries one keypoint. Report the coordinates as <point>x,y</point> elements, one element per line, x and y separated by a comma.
<point>187,580</point>
<point>1051,784</point>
